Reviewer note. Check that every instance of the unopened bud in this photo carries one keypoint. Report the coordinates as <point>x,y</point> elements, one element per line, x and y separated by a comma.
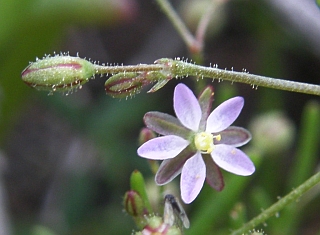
<point>133,204</point>
<point>58,73</point>
<point>127,84</point>
<point>145,135</point>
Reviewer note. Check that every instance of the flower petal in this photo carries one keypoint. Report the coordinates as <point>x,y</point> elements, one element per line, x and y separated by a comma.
<point>232,159</point>
<point>170,168</point>
<point>164,147</point>
<point>186,107</point>
<point>192,178</point>
<point>165,124</point>
<point>224,115</point>
<point>234,136</point>
<point>213,174</point>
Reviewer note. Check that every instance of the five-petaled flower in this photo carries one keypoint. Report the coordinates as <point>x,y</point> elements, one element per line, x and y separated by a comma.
<point>197,142</point>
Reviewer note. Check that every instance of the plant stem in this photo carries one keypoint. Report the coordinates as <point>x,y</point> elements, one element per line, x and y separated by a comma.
<point>177,68</point>
<point>205,20</point>
<point>184,32</point>
<point>275,208</point>
<point>180,68</point>
<point>100,69</point>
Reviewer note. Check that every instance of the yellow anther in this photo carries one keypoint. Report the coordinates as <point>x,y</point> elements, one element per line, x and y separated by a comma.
<point>204,142</point>
<point>217,137</point>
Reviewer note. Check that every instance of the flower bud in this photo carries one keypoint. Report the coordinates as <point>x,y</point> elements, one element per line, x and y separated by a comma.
<point>58,73</point>
<point>145,135</point>
<point>127,84</point>
<point>133,204</point>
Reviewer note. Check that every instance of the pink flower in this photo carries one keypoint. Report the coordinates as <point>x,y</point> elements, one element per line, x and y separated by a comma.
<point>197,142</point>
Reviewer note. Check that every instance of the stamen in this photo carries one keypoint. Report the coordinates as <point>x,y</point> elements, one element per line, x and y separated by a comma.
<point>217,137</point>
<point>204,142</point>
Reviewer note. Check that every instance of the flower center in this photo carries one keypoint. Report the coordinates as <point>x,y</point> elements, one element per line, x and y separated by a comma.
<point>204,141</point>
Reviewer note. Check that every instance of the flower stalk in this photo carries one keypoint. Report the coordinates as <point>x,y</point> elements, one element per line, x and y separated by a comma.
<point>113,69</point>
<point>181,68</point>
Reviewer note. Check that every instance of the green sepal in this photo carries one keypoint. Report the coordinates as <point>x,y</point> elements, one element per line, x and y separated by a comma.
<point>161,78</point>
<point>205,100</point>
<point>165,124</point>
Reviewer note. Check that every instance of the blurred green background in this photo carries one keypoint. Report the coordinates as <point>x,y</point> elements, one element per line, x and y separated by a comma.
<point>65,161</point>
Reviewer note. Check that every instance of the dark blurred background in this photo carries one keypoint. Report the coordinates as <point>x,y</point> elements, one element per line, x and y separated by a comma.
<point>65,161</point>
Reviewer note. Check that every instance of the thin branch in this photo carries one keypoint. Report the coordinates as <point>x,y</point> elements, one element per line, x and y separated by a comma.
<point>177,22</point>
<point>180,68</point>
<point>275,208</point>
<point>100,69</point>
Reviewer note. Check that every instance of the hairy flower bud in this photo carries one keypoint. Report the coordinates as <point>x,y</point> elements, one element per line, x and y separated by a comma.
<point>127,84</point>
<point>58,73</point>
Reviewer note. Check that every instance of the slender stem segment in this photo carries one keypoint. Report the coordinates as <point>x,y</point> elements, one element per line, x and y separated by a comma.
<point>100,69</point>
<point>275,208</point>
<point>180,68</point>
<point>177,68</point>
<point>177,22</point>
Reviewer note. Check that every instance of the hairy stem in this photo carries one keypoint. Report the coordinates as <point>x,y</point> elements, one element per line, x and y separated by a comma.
<point>180,68</point>
<point>100,69</point>
<point>275,208</point>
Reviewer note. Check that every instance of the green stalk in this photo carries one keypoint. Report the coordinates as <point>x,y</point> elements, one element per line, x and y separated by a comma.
<point>275,208</point>
<point>174,18</point>
<point>180,68</point>
<point>305,162</point>
<point>109,69</point>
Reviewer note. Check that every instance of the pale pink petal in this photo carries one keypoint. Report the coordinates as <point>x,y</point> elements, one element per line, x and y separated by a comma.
<point>192,178</point>
<point>186,107</point>
<point>164,147</point>
<point>232,159</point>
<point>224,115</point>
